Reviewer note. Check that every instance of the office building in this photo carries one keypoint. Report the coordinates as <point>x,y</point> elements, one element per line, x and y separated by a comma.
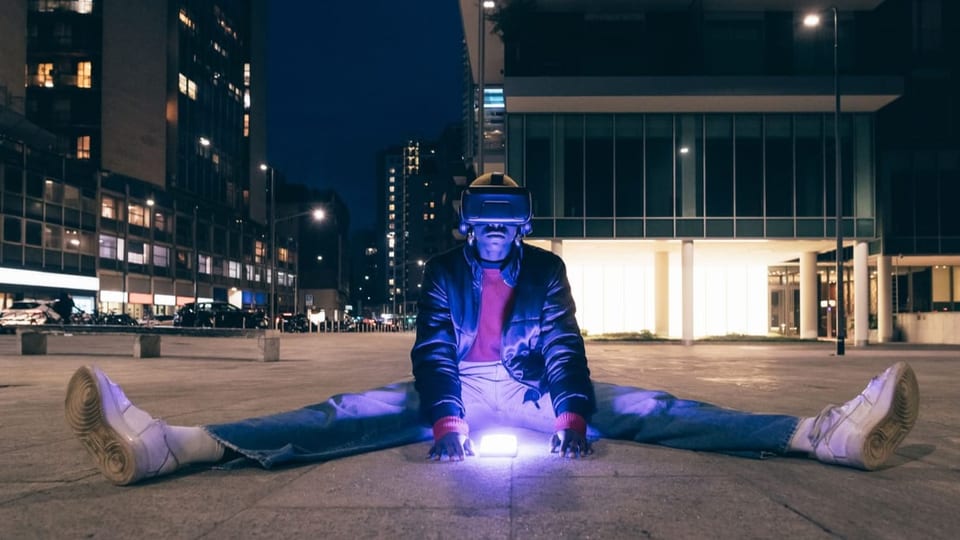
<point>152,185</point>
<point>682,158</point>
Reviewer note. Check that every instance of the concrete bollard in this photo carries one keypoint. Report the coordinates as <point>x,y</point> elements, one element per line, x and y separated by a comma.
<point>31,342</point>
<point>146,346</point>
<point>271,346</point>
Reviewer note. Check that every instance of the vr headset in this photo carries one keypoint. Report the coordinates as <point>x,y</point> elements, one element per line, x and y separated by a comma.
<point>496,203</point>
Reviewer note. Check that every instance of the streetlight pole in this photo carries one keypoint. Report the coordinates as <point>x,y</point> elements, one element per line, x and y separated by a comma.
<point>814,20</point>
<point>481,29</point>
<point>841,315</point>
<point>273,250</point>
<point>196,265</point>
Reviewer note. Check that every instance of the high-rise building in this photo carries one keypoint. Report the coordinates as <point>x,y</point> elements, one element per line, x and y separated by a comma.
<point>420,187</point>
<point>683,159</point>
<point>159,113</point>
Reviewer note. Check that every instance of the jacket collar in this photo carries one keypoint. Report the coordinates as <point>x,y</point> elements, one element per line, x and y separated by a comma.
<point>509,271</point>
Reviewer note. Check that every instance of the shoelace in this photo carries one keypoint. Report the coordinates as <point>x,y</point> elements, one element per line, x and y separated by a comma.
<point>823,422</point>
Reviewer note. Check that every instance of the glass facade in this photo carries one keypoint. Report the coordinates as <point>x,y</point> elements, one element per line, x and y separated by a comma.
<point>693,175</point>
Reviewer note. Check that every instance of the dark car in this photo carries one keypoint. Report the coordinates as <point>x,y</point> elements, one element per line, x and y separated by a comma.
<point>119,319</point>
<point>219,315</point>
<point>294,322</point>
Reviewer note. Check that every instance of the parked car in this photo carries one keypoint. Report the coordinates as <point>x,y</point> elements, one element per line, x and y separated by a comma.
<point>119,319</point>
<point>291,322</point>
<point>219,315</point>
<point>28,313</point>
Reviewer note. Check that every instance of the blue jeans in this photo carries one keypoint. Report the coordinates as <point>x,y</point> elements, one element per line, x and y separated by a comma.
<point>349,424</point>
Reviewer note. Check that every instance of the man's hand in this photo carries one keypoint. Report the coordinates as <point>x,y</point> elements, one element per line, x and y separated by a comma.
<point>453,445</point>
<point>570,443</point>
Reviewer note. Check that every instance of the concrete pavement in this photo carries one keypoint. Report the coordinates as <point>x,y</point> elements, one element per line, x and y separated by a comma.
<point>49,487</point>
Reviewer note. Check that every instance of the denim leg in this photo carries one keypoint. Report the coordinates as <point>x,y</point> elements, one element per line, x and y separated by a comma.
<point>650,416</point>
<point>344,425</point>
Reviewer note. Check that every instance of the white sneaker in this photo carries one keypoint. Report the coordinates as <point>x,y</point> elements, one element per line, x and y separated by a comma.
<point>866,430</point>
<point>127,443</point>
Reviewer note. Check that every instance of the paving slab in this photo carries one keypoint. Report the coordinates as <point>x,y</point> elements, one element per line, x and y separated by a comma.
<point>49,487</point>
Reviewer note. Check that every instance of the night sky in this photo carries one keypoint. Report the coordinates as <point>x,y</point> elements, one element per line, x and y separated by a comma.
<point>350,78</point>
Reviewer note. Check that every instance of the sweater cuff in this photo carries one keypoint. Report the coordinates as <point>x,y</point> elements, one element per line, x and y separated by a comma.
<point>570,420</point>
<point>449,424</point>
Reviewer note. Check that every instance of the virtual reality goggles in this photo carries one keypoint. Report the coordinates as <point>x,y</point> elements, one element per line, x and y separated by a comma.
<point>483,205</point>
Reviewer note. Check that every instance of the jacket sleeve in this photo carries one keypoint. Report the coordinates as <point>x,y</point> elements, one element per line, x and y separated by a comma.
<point>434,354</point>
<point>567,374</point>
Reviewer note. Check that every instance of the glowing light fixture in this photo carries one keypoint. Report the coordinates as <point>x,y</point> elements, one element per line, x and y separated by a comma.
<point>811,20</point>
<point>204,141</point>
<point>498,445</point>
<point>684,150</point>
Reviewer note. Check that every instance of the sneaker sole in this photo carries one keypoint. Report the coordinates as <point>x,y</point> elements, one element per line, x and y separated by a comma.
<point>86,417</point>
<point>893,428</point>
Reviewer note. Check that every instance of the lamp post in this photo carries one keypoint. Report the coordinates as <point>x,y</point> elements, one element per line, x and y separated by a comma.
<point>273,237</point>
<point>812,21</point>
<point>320,215</point>
<point>481,50</point>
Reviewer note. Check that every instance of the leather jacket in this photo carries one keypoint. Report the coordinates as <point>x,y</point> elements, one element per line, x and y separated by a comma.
<point>541,346</point>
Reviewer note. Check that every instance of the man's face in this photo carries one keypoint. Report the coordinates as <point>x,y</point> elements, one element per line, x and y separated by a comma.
<point>494,240</point>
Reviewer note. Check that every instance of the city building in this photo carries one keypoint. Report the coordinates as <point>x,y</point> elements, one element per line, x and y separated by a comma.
<point>683,160</point>
<point>420,220</point>
<point>134,143</point>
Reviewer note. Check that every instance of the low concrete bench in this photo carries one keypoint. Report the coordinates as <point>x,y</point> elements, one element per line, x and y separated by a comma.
<point>32,340</point>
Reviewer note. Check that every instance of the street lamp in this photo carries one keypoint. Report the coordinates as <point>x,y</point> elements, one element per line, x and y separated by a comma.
<point>813,20</point>
<point>336,223</point>
<point>481,50</point>
<point>273,233</point>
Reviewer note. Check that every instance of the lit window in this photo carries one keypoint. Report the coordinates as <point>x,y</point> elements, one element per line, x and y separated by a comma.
<point>71,240</point>
<point>393,179</point>
<point>432,204</point>
<point>83,147</point>
<point>160,221</point>
<point>392,216</point>
<point>246,124</point>
<point>392,198</point>
<point>391,207</point>
<point>161,256</point>
<point>183,83</point>
<point>45,74</point>
<point>246,74</point>
<point>233,269</point>
<point>283,255</point>
<point>259,251</point>
<point>139,253</point>
<point>206,264</point>
<point>433,216</point>
<point>192,90</point>
<point>108,208</point>
<point>391,189</point>
<point>137,215</point>
<point>84,6</point>
<point>108,247</point>
<point>85,74</point>
<point>186,20</point>
<point>246,99</point>
<point>426,217</point>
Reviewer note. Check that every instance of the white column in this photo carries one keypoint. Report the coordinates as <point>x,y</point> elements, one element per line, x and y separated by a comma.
<point>687,287</point>
<point>661,293</point>
<point>556,246</point>
<point>884,300</point>
<point>809,309</point>
<point>861,296</point>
